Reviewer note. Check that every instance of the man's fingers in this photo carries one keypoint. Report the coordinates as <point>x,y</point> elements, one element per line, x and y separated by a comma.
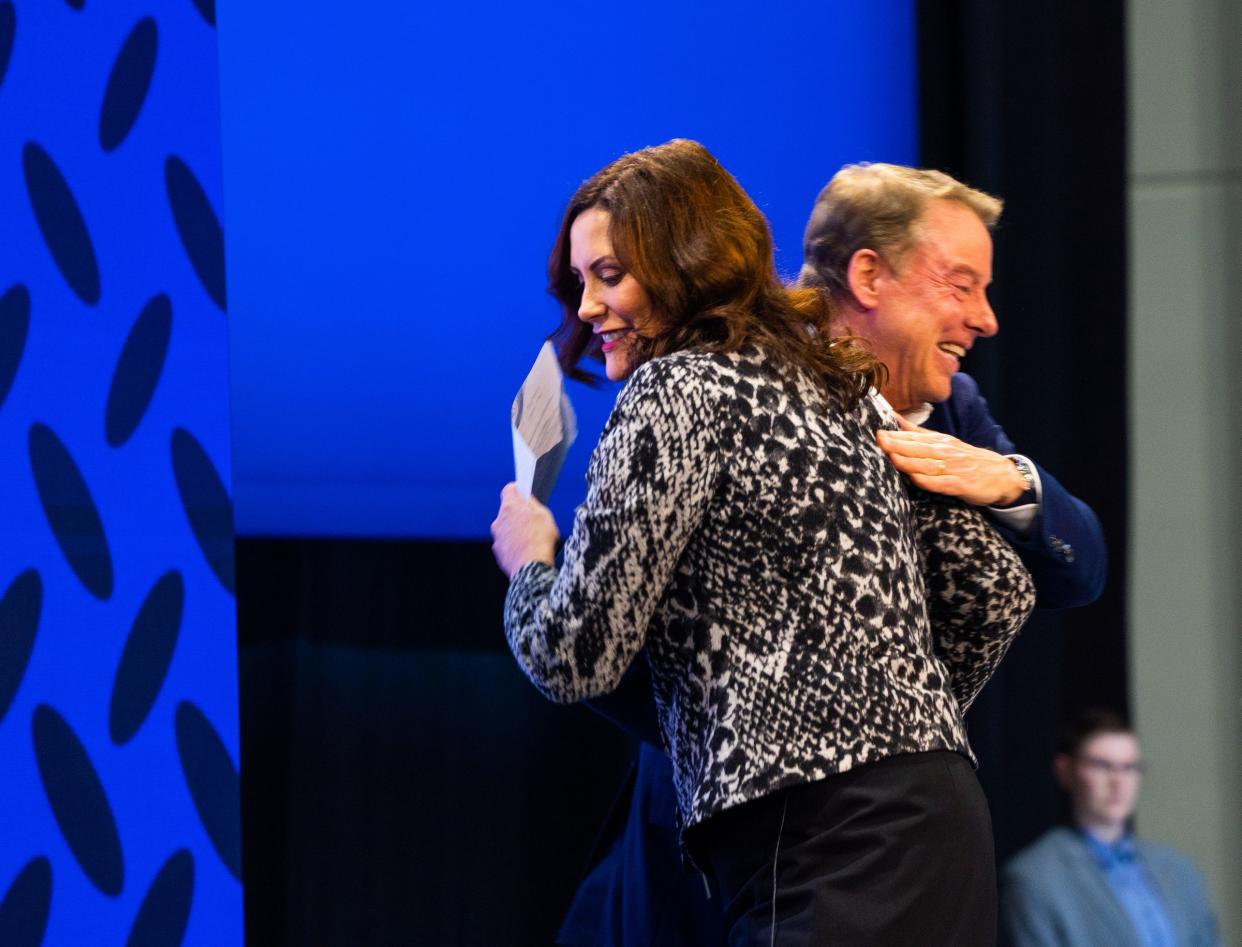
<point>899,446</point>
<point>948,485</point>
<point>927,466</point>
<point>919,436</point>
<point>916,440</point>
<point>907,426</point>
<point>912,452</point>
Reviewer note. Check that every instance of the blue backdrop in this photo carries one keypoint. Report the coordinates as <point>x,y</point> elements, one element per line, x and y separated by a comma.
<point>119,813</point>
<point>394,177</point>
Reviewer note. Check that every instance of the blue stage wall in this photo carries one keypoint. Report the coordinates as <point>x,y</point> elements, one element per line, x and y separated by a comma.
<point>119,806</point>
<point>395,174</point>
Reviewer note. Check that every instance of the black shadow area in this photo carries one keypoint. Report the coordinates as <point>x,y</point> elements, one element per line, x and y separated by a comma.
<point>402,782</point>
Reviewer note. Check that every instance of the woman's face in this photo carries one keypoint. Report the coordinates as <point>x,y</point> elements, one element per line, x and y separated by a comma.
<point>613,303</point>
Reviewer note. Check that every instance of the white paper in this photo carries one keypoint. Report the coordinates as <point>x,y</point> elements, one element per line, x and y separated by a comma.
<point>544,426</point>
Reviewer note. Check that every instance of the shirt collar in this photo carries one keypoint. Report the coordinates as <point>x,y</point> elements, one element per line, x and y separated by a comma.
<point>918,415</point>
<point>1110,854</point>
<point>914,415</point>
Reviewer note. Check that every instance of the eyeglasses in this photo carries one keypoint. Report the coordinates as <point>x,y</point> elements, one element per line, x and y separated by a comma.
<point>1109,768</point>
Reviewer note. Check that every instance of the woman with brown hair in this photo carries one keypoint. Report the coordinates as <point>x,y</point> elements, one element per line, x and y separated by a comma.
<point>742,527</point>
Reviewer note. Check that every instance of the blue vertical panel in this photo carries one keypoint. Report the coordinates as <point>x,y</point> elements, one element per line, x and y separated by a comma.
<point>395,176</point>
<point>119,808</point>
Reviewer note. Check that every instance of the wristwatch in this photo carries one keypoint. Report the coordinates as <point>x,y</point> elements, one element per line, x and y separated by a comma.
<point>1024,468</point>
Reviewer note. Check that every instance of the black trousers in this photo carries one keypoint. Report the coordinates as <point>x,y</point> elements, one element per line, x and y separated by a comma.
<point>897,852</point>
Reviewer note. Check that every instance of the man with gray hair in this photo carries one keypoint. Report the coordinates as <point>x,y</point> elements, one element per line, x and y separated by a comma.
<point>906,255</point>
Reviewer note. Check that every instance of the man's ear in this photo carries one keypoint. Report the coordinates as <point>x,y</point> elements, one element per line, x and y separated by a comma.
<point>863,275</point>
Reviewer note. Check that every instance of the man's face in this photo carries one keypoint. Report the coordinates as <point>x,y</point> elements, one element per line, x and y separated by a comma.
<point>1103,779</point>
<point>930,311</point>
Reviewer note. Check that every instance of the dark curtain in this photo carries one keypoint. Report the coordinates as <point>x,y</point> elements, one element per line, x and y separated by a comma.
<point>1027,101</point>
<point>402,783</point>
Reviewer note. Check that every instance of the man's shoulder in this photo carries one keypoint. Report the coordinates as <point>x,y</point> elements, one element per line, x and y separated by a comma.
<point>964,388</point>
<point>965,400</point>
<point>1160,855</point>
<point>965,415</point>
<point>1044,858</point>
<point>961,409</point>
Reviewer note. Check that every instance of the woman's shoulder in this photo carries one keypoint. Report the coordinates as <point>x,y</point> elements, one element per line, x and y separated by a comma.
<point>720,381</point>
<point>690,375</point>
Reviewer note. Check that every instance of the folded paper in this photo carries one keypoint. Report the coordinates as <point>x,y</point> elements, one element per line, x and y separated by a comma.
<point>544,427</point>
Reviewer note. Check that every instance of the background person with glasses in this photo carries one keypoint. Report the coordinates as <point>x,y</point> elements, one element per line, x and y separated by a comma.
<point>1095,883</point>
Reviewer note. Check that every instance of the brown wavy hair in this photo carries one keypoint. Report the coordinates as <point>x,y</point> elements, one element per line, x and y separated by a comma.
<point>694,240</point>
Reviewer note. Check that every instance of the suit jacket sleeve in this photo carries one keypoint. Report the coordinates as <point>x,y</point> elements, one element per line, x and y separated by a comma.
<point>1064,546</point>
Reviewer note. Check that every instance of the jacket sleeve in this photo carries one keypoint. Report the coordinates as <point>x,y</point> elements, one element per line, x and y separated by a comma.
<point>649,483</point>
<point>979,594</point>
<point>1064,545</point>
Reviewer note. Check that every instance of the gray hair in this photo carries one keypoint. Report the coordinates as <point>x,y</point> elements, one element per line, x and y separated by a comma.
<point>877,207</point>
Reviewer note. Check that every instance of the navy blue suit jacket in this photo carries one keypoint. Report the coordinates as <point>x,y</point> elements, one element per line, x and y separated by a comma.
<point>636,890</point>
<point>1064,546</point>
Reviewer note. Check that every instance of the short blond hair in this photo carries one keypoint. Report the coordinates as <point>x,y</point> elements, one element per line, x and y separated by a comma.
<point>877,207</point>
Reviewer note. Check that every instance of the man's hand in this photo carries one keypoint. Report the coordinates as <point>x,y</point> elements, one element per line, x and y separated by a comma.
<point>523,531</point>
<point>940,463</point>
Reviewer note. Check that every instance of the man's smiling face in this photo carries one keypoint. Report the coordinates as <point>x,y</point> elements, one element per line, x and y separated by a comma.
<point>932,306</point>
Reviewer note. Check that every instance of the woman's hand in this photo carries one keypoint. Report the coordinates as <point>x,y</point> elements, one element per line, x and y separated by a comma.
<point>522,532</point>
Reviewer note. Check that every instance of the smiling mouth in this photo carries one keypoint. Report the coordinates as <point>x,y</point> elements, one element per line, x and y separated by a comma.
<point>611,339</point>
<point>956,351</point>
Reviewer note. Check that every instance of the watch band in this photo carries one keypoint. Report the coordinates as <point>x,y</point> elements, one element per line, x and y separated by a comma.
<point>1028,475</point>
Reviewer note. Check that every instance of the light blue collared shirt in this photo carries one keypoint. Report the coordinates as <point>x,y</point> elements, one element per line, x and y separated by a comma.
<point>1135,889</point>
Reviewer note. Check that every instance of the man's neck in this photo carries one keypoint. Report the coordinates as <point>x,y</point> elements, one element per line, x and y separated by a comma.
<point>1107,832</point>
<point>919,413</point>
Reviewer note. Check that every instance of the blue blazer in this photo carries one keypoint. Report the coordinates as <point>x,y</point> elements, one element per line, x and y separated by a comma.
<point>636,890</point>
<point>1054,895</point>
<point>1064,547</point>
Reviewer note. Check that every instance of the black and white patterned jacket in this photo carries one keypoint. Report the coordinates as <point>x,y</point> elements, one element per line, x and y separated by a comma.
<point>759,543</point>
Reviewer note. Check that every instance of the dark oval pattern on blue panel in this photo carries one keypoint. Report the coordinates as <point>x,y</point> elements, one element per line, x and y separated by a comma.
<point>213,782</point>
<point>19,622</point>
<point>25,908</point>
<point>60,221</point>
<point>165,910</point>
<point>148,653</point>
<point>14,326</point>
<point>198,226</point>
<point>76,4</point>
<point>138,370</point>
<point>70,511</point>
<point>206,502</point>
<point>78,802</point>
<point>8,29</point>
<point>208,9</point>
<point>128,84</point>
